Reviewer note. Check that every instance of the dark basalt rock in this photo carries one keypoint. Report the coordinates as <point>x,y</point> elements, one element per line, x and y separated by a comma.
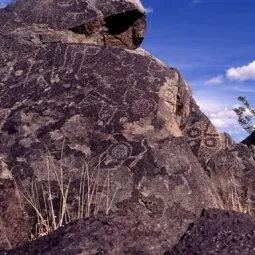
<point>215,232</point>
<point>218,232</point>
<point>117,23</point>
<point>204,139</point>
<point>119,233</point>
<point>232,172</point>
<point>14,221</point>
<point>79,108</point>
<point>116,120</point>
<point>66,107</point>
<point>250,140</point>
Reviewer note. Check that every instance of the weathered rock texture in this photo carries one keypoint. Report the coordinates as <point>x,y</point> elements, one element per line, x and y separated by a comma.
<point>14,225</point>
<point>203,137</point>
<point>218,232</point>
<point>232,172</point>
<point>73,110</point>
<point>118,23</point>
<point>82,110</point>
<point>119,121</point>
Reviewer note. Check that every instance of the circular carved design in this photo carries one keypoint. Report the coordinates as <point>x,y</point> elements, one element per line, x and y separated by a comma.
<point>120,151</point>
<point>143,106</point>
<point>194,132</point>
<point>211,142</point>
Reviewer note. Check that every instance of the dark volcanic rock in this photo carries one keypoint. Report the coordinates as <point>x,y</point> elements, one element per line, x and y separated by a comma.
<point>14,225</point>
<point>105,115</point>
<point>79,110</point>
<point>232,172</point>
<point>250,140</point>
<point>120,233</point>
<point>218,232</point>
<point>118,23</point>
<point>204,139</point>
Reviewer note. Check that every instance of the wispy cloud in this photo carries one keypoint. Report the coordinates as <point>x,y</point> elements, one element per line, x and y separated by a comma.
<point>243,73</point>
<point>217,80</point>
<point>221,115</point>
<point>149,10</point>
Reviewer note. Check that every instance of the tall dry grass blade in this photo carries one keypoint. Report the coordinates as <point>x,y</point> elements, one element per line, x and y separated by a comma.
<point>61,187</point>
<point>113,197</point>
<point>53,217</point>
<point>81,194</point>
<point>64,206</point>
<point>101,196</point>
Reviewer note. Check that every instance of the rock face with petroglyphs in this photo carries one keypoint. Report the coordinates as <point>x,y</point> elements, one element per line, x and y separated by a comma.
<point>90,124</point>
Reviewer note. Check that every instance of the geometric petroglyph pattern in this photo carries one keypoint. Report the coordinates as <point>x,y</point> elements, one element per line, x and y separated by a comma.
<point>203,137</point>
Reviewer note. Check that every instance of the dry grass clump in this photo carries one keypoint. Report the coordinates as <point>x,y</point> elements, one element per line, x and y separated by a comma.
<point>92,196</point>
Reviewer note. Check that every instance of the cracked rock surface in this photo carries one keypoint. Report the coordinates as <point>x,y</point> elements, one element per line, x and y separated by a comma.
<point>117,23</point>
<point>118,112</point>
<point>218,232</point>
<point>80,100</point>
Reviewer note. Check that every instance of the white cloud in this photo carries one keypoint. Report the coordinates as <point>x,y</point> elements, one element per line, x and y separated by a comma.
<point>215,80</point>
<point>149,10</point>
<point>222,116</point>
<point>242,73</point>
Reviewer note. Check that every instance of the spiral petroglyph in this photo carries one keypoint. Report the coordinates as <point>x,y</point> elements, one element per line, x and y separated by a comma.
<point>143,106</point>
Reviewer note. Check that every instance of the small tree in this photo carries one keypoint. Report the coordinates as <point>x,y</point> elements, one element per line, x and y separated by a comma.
<point>246,114</point>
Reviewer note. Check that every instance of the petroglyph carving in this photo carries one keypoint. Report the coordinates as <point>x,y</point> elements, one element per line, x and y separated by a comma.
<point>120,151</point>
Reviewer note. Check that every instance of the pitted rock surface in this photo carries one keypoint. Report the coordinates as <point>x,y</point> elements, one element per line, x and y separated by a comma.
<point>14,222</point>
<point>204,139</point>
<point>218,232</point>
<point>114,110</point>
<point>120,23</point>
<point>73,107</point>
<point>120,233</point>
<point>232,172</point>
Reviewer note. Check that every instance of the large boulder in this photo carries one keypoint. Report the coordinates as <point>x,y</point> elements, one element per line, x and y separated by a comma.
<point>215,232</point>
<point>119,122</point>
<point>118,23</point>
<point>98,126</point>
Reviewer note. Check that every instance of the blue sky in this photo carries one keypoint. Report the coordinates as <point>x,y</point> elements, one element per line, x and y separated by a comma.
<point>212,43</point>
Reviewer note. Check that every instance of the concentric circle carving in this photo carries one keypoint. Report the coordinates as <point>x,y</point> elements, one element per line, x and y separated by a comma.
<point>120,151</point>
<point>143,106</point>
